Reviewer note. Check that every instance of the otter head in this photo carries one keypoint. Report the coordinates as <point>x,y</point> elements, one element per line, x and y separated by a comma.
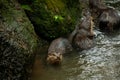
<point>86,27</point>
<point>54,58</point>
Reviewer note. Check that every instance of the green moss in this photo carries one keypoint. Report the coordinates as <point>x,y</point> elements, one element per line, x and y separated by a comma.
<point>26,7</point>
<point>54,18</point>
<point>55,5</point>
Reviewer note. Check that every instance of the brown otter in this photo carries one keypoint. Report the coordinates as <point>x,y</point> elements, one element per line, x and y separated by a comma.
<point>82,36</point>
<point>56,50</point>
<point>109,19</point>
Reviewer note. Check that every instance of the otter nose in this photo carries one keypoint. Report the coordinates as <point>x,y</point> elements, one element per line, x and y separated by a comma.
<point>58,58</point>
<point>91,35</point>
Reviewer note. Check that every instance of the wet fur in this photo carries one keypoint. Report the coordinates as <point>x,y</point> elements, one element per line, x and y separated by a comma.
<point>83,42</point>
<point>82,36</point>
<point>54,58</point>
<point>56,50</point>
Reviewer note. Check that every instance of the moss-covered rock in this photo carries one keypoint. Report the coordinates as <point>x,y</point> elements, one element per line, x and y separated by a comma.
<point>53,18</point>
<point>18,42</point>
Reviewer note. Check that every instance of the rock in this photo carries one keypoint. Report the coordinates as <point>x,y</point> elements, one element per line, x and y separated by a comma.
<point>53,18</point>
<point>18,42</point>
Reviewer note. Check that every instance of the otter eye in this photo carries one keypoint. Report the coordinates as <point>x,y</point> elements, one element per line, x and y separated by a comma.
<point>52,54</point>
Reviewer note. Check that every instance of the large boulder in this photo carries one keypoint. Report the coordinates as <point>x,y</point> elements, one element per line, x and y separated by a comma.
<point>52,18</point>
<point>18,42</point>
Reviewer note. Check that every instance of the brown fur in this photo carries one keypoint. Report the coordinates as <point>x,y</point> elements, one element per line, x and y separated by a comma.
<point>82,36</point>
<point>56,50</point>
<point>54,58</point>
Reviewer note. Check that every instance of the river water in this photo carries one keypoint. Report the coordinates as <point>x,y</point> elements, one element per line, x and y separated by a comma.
<point>102,62</point>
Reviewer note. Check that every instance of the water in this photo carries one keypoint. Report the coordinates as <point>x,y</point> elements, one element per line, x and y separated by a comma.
<point>102,62</point>
<point>98,63</point>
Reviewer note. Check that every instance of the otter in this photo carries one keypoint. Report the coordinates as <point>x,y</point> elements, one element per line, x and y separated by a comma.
<point>109,20</point>
<point>82,36</point>
<point>57,48</point>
